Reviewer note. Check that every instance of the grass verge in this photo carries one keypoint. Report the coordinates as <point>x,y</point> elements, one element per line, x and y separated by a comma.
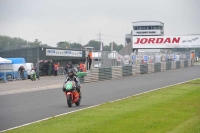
<point>174,109</point>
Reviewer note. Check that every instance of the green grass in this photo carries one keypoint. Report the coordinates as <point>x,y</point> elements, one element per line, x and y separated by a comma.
<point>174,109</point>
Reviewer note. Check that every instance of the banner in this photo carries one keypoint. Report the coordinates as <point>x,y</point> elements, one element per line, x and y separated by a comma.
<point>157,58</point>
<point>56,52</point>
<point>145,58</point>
<point>166,41</point>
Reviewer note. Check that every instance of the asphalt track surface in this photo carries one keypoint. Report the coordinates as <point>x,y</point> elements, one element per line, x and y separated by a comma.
<point>22,108</point>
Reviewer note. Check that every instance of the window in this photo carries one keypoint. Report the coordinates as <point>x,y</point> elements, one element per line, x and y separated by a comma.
<point>97,59</point>
<point>149,27</point>
<point>135,27</point>
<point>161,28</point>
<point>142,27</point>
<point>157,27</point>
<point>139,27</point>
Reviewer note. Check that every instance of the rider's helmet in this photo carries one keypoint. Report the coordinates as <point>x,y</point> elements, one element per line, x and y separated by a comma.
<point>75,70</point>
<point>71,73</point>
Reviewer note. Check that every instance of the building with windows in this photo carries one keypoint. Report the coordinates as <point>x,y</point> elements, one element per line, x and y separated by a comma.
<point>148,28</point>
<point>44,54</point>
<point>145,28</point>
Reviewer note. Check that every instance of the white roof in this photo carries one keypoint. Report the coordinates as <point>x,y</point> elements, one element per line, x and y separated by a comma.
<point>147,23</point>
<point>3,61</point>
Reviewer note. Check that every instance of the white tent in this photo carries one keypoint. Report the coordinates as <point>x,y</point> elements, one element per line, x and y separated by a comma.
<point>3,65</point>
<point>5,61</point>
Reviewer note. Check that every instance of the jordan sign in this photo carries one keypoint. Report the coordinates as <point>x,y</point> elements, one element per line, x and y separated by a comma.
<point>166,41</point>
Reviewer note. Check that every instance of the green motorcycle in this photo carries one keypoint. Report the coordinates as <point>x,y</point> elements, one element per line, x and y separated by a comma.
<point>33,77</point>
<point>71,94</point>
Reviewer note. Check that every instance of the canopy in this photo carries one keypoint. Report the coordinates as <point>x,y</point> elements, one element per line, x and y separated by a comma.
<point>5,61</point>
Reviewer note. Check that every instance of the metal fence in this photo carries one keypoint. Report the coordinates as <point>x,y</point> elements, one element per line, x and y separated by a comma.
<point>108,59</point>
<point>116,72</point>
<point>13,75</point>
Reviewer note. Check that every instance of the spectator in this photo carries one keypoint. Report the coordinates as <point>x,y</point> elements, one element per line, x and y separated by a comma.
<point>50,69</point>
<point>21,71</point>
<point>67,68</point>
<point>58,64</point>
<point>70,65</point>
<point>81,66</point>
<point>55,69</point>
<point>46,66</point>
<point>193,56</point>
<point>90,59</point>
<point>37,71</point>
<point>84,67</point>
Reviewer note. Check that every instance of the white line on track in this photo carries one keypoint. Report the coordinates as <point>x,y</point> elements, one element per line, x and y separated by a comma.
<point>30,90</point>
<point>95,106</point>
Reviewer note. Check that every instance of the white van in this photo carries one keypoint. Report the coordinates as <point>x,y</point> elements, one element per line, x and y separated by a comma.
<point>29,66</point>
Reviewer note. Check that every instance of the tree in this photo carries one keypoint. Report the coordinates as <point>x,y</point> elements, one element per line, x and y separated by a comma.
<point>75,46</point>
<point>93,43</point>
<point>96,45</point>
<point>62,45</point>
<point>69,45</point>
<point>106,48</point>
<point>7,43</point>
<point>116,47</point>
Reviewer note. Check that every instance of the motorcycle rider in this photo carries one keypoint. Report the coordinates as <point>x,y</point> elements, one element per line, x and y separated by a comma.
<point>72,77</point>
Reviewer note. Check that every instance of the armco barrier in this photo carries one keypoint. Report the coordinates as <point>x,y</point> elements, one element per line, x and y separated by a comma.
<point>126,71</point>
<point>144,69</point>
<point>168,65</point>
<point>182,64</point>
<point>178,64</point>
<point>157,67</point>
<point>173,65</point>
<point>163,66</point>
<point>185,63</point>
<point>151,68</point>
<point>134,70</point>
<point>115,72</point>
<point>95,75</point>
<point>138,69</point>
<point>105,74</point>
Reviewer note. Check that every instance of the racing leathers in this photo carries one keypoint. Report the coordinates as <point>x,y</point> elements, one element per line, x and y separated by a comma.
<point>76,80</point>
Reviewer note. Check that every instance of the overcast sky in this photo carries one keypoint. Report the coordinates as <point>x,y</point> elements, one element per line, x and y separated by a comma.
<point>52,21</point>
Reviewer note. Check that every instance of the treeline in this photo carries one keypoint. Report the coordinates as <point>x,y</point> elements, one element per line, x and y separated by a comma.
<point>7,43</point>
<point>91,43</point>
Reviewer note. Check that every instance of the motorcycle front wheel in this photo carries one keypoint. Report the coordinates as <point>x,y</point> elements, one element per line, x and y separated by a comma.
<point>78,103</point>
<point>69,100</point>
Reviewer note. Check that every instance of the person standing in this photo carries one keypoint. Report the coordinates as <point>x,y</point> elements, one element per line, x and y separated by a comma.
<point>81,67</point>
<point>21,72</point>
<point>50,69</point>
<point>70,65</point>
<point>90,59</point>
<point>55,69</point>
<point>66,69</point>
<point>37,70</point>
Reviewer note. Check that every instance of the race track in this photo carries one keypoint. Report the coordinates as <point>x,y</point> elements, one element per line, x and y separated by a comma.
<point>22,108</point>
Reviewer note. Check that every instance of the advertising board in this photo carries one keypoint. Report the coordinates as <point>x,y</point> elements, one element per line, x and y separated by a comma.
<point>166,41</point>
<point>56,52</point>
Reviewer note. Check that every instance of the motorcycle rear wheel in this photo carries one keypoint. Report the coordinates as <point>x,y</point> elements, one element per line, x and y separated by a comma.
<point>69,101</point>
